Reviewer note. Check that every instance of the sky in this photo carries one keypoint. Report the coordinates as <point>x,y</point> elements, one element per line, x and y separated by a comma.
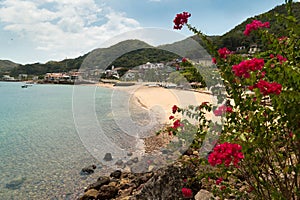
<point>34,31</point>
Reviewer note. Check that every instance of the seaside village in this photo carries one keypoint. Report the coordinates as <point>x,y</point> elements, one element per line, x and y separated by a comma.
<point>157,73</point>
<point>147,72</point>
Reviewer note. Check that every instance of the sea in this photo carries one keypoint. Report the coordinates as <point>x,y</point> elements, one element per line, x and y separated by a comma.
<point>48,133</point>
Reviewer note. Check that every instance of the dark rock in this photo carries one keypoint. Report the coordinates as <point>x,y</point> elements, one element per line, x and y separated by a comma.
<point>88,170</point>
<point>129,154</point>
<point>125,186</point>
<point>165,151</point>
<point>143,178</point>
<point>103,180</point>
<point>116,174</point>
<point>119,162</point>
<point>169,180</point>
<point>15,183</point>
<point>135,160</point>
<point>108,157</point>
<point>129,162</point>
<point>107,192</point>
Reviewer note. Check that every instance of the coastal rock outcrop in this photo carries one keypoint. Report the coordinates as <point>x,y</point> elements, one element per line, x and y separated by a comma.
<point>165,183</point>
<point>88,170</point>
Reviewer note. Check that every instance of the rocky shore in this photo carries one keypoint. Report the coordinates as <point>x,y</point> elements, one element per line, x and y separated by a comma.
<point>164,183</point>
<point>161,172</point>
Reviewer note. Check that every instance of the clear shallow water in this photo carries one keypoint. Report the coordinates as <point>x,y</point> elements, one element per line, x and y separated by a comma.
<point>40,148</point>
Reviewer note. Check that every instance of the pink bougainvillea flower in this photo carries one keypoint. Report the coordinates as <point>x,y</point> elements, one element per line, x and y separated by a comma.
<point>281,59</point>
<point>266,87</point>
<point>254,25</point>
<point>214,60</point>
<point>171,117</point>
<point>223,52</point>
<point>219,180</point>
<point>272,56</point>
<point>222,109</point>
<point>180,20</point>
<point>227,154</point>
<point>184,60</point>
<point>229,109</point>
<point>186,192</point>
<point>174,109</point>
<point>223,187</point>
<point>244,68</point>
<point>177,124</point>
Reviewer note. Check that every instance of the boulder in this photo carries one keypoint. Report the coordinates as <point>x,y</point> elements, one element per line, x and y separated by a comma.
<point>108,157</point>
<point>103,180</point>
<point>204,195</point>
<point>164,183</point>
<point>119,163</point>
<point>135,160</point>
<point>89,195</point>
<point>116,174</point>
<point>88,170</point>
<point>107,192</point>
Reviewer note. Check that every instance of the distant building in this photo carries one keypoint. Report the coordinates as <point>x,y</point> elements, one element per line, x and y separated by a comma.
<point>23,77</point>
<point>253,49</point>
<point>112,73</point>
<point>7,78</point>
<point>240,49</point>
<point>149,65</point>
<point>131,75</point>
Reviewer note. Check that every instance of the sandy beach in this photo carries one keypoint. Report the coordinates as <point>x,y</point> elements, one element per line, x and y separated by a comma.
<point>161,100</point>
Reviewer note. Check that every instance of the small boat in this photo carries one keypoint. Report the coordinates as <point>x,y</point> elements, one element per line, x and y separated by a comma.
<point>24,86</point>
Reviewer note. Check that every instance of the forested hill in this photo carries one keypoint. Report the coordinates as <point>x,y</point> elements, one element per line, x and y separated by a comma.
<point>135,52</point>
<point>7,66</point>
<point>235,37</point>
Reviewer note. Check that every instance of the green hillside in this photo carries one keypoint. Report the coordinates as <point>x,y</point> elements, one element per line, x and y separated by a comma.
<point>6,66</point>
<point>131,53</point>
<point>235,37</point>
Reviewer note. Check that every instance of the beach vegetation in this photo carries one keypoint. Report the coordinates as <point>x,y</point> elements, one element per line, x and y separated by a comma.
<point>253,148</point>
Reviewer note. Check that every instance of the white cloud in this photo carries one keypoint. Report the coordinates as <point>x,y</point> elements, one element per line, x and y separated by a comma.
<point>64,28</point>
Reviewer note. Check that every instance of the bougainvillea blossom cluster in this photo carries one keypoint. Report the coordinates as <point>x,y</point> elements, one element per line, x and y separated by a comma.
<point>214,60</point>
<point>254,25</point>
<point>174,109</point>
<point>226,153</point>
<point>281,59</point>
<point>224,52</point>
<point>176,124</point>
<point>180,20</point>
<point>244,68</point>
<point>266,87</point>
<point>222,109</point>
<point>219,181</point>
<point>186,192</point>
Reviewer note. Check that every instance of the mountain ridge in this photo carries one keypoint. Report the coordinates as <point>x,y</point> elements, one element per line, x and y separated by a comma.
<point>184,48</point>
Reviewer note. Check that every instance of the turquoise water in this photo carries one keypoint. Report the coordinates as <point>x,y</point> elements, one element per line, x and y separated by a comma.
<point>41,152</point>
